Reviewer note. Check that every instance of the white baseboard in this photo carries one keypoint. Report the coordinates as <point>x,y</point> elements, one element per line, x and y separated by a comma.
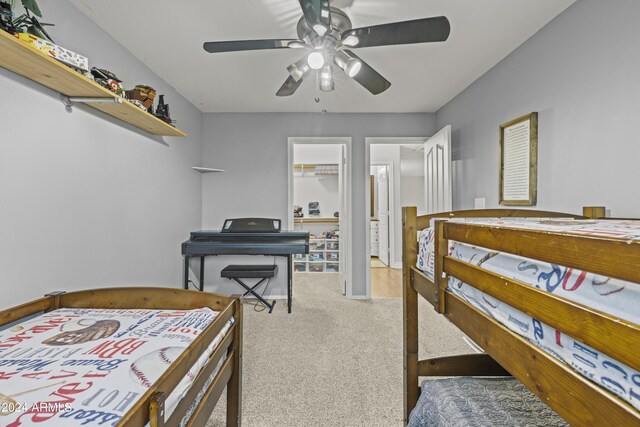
<point>397,264</point>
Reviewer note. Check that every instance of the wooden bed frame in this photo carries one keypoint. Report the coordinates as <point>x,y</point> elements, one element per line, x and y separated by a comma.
<point>575,398</point>
<point>150,407</point>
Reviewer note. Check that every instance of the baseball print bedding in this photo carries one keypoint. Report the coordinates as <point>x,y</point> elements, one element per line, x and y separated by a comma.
<point>609,295</point>
<point>88,367</point>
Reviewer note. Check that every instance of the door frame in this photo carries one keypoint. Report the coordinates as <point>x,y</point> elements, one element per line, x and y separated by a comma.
<point>368,141</point>
<point>348,179</point>
<point>392,214</point>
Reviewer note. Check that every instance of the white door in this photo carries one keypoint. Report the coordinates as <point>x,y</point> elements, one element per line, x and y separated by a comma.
<point>438,188</point>
<point>344,216</point>
<point>383,214</point>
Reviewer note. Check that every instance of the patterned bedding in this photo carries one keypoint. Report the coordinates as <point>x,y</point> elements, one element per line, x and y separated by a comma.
<point>88,367</point>
<point>610,295</point>
<point>466,401</point>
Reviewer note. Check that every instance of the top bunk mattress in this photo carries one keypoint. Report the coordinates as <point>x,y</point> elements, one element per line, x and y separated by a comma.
<point>610,295</point>
<point>78,367</point>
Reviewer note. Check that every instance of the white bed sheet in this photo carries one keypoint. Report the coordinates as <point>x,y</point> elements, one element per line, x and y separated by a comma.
<point>83,367</point>
<point>613,296</point>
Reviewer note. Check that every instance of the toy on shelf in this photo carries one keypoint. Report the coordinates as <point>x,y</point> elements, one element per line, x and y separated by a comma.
<point>297,212</point>
<point>71,59</point>
<point>6,18</point>
<point>107,79</point>
<point>142,96</point>
<point>162,111</point>
<point>28,22</point>
<point>314,209</point>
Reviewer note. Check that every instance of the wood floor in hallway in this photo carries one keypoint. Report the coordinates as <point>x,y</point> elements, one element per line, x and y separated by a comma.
<point>386,282</point>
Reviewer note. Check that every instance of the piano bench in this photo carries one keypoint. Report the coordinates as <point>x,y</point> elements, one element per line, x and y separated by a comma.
<point>264,271</point>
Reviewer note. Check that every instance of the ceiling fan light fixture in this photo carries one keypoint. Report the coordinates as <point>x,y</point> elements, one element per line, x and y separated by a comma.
<point>298,69</point>
<point>350,65</point>
<point>315,60</point>
<point>353,67</point>
<point>325,79</point>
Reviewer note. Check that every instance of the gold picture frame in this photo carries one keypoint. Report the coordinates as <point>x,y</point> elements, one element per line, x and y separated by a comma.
<point>519,161</point>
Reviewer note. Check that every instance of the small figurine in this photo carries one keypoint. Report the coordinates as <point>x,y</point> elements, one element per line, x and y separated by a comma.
<point>297,212</point>
<point>108,80</point>
<point>314,209</point>
<point>162,111</point>
<point>6,18</point>
<point>142,96</point>
<point>28,22</point>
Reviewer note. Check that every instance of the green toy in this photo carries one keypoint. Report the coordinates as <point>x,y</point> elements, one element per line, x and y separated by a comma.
<point>28,22</point>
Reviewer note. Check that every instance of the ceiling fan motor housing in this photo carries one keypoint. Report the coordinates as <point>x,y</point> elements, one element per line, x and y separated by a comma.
<point>340,23</point>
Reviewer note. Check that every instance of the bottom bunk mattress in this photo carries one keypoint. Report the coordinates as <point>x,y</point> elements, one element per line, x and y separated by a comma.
<point>468,401</point>
<point>609,295</point>
<point>79,367</point>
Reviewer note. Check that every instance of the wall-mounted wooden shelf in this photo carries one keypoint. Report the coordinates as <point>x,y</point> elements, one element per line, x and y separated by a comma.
<point>26,60</point>
<point>315,220</point>
<point>206,170</point>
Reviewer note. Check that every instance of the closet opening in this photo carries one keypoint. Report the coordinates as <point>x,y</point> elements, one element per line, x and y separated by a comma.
<point>320,202</point>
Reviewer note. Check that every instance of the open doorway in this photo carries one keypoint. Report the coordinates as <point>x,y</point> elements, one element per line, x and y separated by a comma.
<point>320,203</point>
<point>401,172</point>
<point>396,171</point>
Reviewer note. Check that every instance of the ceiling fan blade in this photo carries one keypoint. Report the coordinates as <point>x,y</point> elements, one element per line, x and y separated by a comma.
<point>290,86</point>
<point>406,32</point>
<point>242,45</point>
<point>316,12</point>
<point>370,78</point>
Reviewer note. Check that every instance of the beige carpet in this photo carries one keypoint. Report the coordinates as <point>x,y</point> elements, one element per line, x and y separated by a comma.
<point>332,362</point>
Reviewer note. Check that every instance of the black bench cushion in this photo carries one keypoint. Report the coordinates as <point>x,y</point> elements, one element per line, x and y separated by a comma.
<point>470,401</point>
<point>249,271</point>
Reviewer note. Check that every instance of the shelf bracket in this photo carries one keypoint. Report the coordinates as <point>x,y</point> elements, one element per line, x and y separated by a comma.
<point>69,101</point>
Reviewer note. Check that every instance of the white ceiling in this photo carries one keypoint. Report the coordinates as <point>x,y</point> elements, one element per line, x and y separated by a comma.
<point>167,36</point>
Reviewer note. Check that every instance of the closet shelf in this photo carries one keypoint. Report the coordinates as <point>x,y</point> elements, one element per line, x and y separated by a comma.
<point>206,170</point>
<point>27,61</point>
<point>315,220</point>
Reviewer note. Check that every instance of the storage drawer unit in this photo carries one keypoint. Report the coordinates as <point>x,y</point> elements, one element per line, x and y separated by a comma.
<point>375,247</point>
<point>324,256</point>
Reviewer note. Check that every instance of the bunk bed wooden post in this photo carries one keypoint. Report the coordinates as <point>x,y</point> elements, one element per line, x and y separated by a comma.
<point>594,212</point>
<point>156,410</point>
<point>442,250</point>
<point>234,387</point>
<point>410,311</point>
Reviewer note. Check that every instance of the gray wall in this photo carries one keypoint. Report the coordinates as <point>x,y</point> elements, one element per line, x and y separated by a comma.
<point>86,201</point>
<point>253,150</point>
<point>580,73</point>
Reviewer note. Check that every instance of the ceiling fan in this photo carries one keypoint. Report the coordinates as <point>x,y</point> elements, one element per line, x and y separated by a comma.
<point>326,35</point>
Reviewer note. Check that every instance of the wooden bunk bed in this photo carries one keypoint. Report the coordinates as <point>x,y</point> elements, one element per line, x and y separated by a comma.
<point>221,365</point>
<point>571,395</point>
